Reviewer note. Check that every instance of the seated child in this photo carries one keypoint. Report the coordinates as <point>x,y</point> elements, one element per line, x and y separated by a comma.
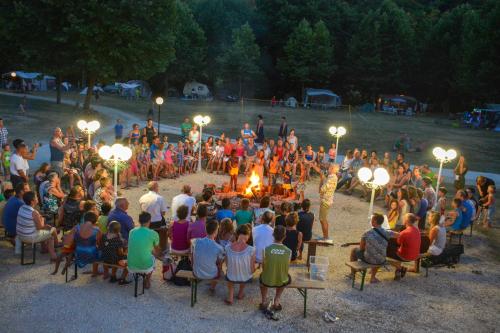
<point>102,221</point>
<point>244,215</point>
<point>178,232</point>
<point>225,211</point>
<point>113,252</point>
<point>285,208</point>
<point>226,232</point>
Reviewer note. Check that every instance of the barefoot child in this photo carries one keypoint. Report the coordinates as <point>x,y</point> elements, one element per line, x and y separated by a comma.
<point>240,261</point>
<point>489,206</point>
<point>233,170</point>
<point>274,168</point>
<point>113,252</point>
<point>287,179</point>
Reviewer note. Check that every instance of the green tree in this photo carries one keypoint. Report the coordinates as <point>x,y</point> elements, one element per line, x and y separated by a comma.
<point>240,61</point>
<point>190,48</point>
<point>107,40</point>
<point>381,54</point>
<point>308,55</point>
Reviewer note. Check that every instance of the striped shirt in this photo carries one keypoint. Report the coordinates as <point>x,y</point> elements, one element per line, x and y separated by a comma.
<point>3,136</point>
<point>25,224</point>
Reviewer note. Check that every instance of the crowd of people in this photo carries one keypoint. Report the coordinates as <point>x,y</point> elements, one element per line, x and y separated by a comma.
<point>69,204</point>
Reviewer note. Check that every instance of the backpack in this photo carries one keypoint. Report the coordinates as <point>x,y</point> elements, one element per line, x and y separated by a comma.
<point>449,257</point>
<point>183,265</point>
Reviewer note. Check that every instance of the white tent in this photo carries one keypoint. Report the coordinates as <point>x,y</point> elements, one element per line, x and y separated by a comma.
<point>196,89</point>
<point>291,102</point>
<point>38,81</point>
<point>129,88</point>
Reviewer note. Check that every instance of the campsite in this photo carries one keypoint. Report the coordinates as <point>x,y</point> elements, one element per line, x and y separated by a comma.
<point>250,166</point>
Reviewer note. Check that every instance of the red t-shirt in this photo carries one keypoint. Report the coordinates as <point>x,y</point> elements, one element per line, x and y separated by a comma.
<point>227,149</point>
<point>409,243</point>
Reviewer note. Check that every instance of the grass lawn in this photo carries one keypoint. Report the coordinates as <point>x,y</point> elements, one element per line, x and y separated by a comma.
<point>365,130</point>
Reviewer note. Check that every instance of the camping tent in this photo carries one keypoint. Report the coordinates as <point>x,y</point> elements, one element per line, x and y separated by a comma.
<point>323,98</point>
<point>31,81</point>
<point>96,88</point>
<point>129,88</point>
<point>397,104</point>
<point>291,102</point>
<point>196,90</point>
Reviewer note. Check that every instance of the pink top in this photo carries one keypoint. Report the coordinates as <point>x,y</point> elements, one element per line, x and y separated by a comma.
<point>240,151</point>
<point>168,157</point>
<point>196,230</point>
<point>179,236</point>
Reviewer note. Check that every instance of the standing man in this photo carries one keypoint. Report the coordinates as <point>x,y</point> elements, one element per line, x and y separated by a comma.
<point>154,204</point>
<point>19,162</point>
<point>327,188</point>
<point>185,129</point>
<point>118,130</point>
<point>3,134</point>
<point>283,133</point>
<point>149,131</point>
<point>260,130</point>
<point>57,149</point>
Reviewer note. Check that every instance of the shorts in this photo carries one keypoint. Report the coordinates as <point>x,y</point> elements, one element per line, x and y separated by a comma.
<point>279,286</point>
<point>144,271</point>
<point>287,186</point>
<point>247,281</point>
<point>490,214</point>
<point>38,236</point>
<point>233,172</point>
<point>323,211</point>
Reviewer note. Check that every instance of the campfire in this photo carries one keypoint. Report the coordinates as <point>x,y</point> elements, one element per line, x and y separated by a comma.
<point>254,185</point>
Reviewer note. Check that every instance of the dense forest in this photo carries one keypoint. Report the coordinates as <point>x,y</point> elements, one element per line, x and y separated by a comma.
<point>444,52</point>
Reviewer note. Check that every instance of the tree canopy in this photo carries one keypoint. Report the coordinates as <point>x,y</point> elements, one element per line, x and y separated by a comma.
<point>441,52</point>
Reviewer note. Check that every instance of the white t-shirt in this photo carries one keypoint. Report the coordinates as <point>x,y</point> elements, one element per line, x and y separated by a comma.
<point>262,238</point>
<point>182,199</point>
<point>17,162</point>
<point>154,204</point>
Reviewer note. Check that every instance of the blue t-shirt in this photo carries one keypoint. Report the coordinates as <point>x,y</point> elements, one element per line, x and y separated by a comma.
<point>126,222</point>
<point>153,149</point>
<point>457,225</point>
<point>205,254</point>
<point>422,212</point>
<point>10,214</point>
<point>467,215</point>
<point>118,130</point>
<point>224,213</point>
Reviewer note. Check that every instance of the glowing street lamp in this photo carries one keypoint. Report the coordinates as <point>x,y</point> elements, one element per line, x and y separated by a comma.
<point>374,180</point>
<point>13,74</point>
<point>201,121</point>
<point>159,102</point>
<point>337,132</point>
<point>443,156</point>
<point>88,128</point>
<point>116,153</point>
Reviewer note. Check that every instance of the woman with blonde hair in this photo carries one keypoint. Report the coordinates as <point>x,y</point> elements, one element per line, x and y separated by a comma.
<point>437,234</point>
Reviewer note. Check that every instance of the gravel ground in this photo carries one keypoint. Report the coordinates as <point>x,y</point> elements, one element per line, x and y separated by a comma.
<point>463,299</point>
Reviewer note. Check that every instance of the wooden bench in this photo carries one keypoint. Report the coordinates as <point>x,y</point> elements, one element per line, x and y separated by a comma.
<point>361,267</point>
<point>299,282</point>
<point>312,244</point>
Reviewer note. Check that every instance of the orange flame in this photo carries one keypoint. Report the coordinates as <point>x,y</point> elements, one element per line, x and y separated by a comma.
<point>254,184</point>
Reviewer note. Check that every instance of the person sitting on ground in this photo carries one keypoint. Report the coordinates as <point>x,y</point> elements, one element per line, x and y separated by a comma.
<point>437,234</point>
<point>31,227</point>
<point>454,219</point>
<point>240,262</point>
<point>225,212</point>
<point>197,229</point>
<point>87,239</point>
<point>226,232</point>
<point>293,239</point>
<point>207,256</point>
<point>285,209</point>
<point>263,235</point>
<point>275,269</point>
<point>263,207</point>
<point>244,215</point>
<point>178,232</point>
<point>305,224</point>
<point>143,247</point>
<point>408,246</point>
<point>373,246</point>
<point>114,253</point>
<point>102,221</point>
<point>120,214</point>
